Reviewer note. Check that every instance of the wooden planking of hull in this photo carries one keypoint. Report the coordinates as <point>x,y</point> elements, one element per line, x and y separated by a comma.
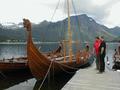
<point>13,65</point>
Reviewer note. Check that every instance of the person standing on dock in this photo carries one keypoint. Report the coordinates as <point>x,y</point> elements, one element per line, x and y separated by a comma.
<point>96,51</point>
<point>102,53</point>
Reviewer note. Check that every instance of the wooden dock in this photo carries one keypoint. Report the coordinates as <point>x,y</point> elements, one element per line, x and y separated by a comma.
<point>90,79</point>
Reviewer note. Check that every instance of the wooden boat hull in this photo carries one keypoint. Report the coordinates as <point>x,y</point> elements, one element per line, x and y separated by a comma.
<point>6,65</point>
<point>39,63</point>
<point>12,66</point>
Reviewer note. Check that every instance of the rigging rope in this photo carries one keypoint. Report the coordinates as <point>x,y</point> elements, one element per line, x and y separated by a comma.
<point>55,9</point>
<point>54,13</point>
<point>78,19</point>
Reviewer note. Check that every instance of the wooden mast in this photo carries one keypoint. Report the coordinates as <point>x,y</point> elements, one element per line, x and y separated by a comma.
<point>69,33</point>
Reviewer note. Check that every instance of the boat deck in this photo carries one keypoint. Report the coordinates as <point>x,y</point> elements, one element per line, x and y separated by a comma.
<point>90,79</point>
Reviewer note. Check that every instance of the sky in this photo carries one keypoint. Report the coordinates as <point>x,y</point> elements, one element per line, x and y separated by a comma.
<point>105,12</point>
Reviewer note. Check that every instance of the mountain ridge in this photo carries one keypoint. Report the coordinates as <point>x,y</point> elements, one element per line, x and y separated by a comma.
<point>87,30</point>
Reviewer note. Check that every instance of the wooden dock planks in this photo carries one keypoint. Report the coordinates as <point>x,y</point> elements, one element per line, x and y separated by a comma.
<point>90,79</point>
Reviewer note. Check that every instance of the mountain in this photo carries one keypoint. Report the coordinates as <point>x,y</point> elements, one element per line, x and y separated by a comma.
<point>89,29</point>
<point>117,39</point>
<point>83,27</point>
<point>115,31</point>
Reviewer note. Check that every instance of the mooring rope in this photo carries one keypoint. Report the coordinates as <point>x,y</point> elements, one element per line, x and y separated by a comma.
<point>45,75</point>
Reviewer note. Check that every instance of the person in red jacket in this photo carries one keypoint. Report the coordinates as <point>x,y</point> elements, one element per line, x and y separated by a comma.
<point>96,51</point>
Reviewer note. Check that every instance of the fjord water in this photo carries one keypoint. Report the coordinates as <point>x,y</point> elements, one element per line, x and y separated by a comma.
<point>24,80</point>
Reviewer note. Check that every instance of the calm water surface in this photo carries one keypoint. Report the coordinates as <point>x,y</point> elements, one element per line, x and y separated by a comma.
<point>24,80</point>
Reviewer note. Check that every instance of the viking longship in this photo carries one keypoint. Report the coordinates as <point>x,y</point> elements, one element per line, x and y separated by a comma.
<point>42,63</point>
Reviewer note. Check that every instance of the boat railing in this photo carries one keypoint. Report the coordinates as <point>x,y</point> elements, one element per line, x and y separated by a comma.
<point>14,60</point>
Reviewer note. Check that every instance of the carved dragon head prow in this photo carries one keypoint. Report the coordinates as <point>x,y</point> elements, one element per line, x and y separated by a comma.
<point>27,24</point>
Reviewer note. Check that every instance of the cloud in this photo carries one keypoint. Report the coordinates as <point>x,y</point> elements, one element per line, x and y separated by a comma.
<point>103,11</point>
<point>99,10</point>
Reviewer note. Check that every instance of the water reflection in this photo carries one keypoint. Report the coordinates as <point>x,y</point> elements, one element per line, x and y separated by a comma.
<point>12,50</point>
<point>19,50</point>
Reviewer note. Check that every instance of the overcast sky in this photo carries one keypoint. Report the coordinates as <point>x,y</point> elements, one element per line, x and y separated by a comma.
<point>105,12</point>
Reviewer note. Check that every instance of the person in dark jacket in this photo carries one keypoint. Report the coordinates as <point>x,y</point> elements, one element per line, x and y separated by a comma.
<point>102,53</point>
